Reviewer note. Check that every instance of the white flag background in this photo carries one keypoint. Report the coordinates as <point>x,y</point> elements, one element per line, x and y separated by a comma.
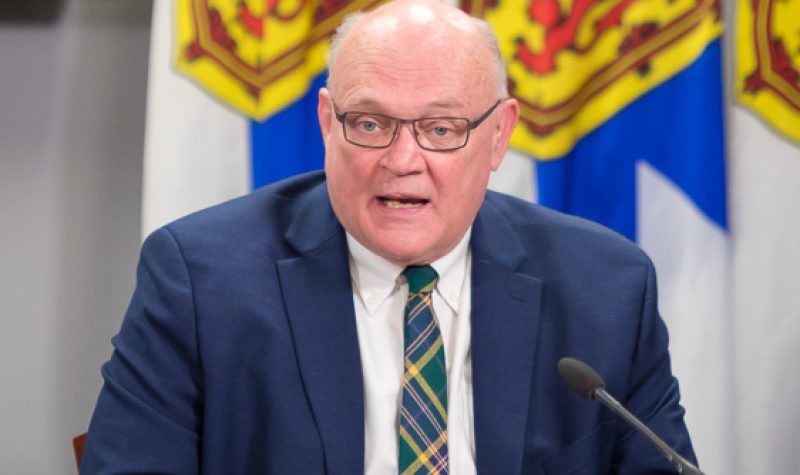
<point>728,298</point>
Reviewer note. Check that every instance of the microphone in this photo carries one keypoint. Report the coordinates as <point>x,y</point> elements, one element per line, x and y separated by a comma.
<point>588,384</point>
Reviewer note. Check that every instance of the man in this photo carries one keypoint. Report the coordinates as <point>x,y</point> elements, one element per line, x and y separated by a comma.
<point>389,316</point>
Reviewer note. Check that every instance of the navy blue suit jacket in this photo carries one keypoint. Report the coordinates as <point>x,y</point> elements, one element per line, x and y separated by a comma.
<point>239,353</point>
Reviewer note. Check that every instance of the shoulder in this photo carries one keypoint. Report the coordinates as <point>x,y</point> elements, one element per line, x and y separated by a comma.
<point>259,219</point>
<point>272,202</point>
<point>271,206</point>
<point>562,239</point>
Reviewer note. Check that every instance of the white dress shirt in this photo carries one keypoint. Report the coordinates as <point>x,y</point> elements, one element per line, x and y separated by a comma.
<point>379,294</point>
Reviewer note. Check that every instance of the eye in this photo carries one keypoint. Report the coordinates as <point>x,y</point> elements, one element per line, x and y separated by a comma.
<point>441,128</point>
<point>442,131</point>
<point>438,128</point>
<point>367,124</point>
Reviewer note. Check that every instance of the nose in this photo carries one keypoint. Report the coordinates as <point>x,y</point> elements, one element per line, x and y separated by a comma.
<point>404,156</point>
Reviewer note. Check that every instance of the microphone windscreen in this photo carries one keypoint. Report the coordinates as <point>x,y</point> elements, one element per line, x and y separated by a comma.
<point>580,376</point>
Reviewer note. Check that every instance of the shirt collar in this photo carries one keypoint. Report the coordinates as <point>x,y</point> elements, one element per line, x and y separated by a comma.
<point>375,278</point>
<point>452,268</point>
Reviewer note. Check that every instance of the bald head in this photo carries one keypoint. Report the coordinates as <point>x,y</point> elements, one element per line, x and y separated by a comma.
<point>408,74</point>
<point>410,25</point>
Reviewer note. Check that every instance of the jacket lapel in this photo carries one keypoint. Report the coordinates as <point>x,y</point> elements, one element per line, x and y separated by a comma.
<point>318,297</point>
<point>505,316</point>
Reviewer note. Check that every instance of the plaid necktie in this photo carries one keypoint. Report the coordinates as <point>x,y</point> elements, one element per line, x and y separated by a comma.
<point>423,414</point>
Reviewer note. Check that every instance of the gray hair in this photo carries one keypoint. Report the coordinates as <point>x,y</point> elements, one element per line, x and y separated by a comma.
<point>482,26</point>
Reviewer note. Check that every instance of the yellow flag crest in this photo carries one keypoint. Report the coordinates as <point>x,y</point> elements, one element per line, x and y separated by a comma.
<point>257,56</point>
<point>768,61</point>
<point>573,64</point>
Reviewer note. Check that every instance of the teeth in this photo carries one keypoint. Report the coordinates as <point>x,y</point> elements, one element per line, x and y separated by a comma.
<point>401,204</point>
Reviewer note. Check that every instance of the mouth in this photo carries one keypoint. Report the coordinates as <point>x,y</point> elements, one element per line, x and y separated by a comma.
<point>402,202</point>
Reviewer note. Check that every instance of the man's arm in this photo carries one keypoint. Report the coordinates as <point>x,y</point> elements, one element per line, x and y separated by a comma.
<point>652,396</point>
<point>148,415</point>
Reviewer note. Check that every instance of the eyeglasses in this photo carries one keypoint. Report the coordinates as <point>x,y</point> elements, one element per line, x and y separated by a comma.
<point>436,134</point>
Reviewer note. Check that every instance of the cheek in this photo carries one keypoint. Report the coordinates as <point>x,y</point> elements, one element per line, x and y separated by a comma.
<point>339,184</point>
<point>466,182</point>
<point>348,172</point>
<point>337,162</point>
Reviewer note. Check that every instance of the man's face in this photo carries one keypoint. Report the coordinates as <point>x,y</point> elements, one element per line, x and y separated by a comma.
<point>406,204</point>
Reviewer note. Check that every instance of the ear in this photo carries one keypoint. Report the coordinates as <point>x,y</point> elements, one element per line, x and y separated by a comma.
<point>507,116</point>
<point>325,113</point>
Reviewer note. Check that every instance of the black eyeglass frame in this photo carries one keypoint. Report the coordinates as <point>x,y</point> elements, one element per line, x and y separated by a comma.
<point>471,124</point>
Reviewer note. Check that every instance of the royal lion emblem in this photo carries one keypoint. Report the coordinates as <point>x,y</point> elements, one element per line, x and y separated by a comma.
<point>573,64</point>
<point>258,56</point>
<point>768,61</point>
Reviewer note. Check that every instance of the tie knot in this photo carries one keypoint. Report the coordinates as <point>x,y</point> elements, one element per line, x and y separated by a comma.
<point>420,278</point>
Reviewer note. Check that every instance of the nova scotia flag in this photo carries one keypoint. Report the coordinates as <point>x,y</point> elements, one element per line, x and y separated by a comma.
<point>656,173</point>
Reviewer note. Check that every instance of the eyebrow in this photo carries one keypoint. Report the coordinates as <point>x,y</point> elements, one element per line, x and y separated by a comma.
<point>439,104</point>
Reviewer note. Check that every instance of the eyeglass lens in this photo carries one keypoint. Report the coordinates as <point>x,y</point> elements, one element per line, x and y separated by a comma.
<point>375,130</point>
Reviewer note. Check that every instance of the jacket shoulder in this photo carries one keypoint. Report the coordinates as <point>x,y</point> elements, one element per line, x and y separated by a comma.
<point>268,209</point>
<point>255,222</point>
<point>559,234</point>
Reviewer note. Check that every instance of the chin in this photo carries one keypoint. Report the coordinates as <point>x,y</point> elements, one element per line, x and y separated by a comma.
<point>403,257</point>
<point>405,245</point>
<point>402,254</point>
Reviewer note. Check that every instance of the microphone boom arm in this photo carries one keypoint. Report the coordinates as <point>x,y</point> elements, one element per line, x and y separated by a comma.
<point>585,381</point>
<point>681,464</point>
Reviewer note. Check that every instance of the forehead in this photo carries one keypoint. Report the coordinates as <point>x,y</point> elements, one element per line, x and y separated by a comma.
<point>393,60</point>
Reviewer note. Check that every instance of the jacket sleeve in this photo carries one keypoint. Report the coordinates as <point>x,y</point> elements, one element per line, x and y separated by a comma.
<point>652,395</point>
<point>148,414</point>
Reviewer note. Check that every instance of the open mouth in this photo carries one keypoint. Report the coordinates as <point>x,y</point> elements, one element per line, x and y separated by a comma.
<point>402,202</point>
